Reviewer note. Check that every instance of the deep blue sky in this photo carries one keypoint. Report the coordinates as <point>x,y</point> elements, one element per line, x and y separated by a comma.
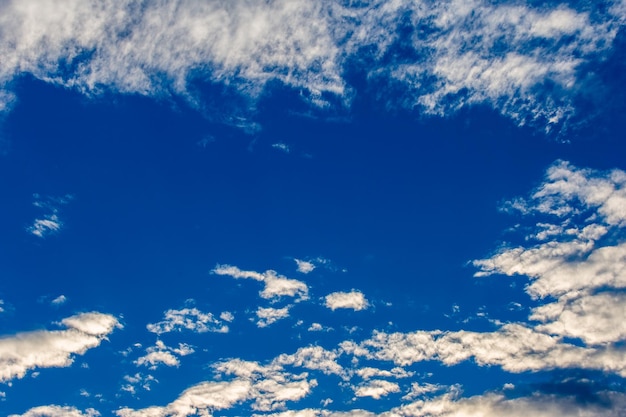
<point>395,150</point>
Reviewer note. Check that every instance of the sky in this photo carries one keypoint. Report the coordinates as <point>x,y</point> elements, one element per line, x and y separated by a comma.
<point>291,208</point>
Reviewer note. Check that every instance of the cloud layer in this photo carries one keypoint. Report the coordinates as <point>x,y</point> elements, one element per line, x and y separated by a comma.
<point>525,62</point>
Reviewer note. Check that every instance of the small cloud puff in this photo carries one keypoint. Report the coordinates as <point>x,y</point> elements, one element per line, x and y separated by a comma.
<point>354,300</point>
<point>304,266</point>
<point>61,299</point>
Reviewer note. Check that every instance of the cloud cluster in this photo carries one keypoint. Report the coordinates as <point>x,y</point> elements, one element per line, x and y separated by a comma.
<point>524,61</point>
<point>53,348</point>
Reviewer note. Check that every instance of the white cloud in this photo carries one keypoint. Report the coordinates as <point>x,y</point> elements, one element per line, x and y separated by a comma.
<point>268,387</point>
<point>137,380</point>
<point>376,389</point>
<point>354,300</point>
<point>276,286</point>
<point>317,327</point>
<point>476,51</point>
<point>162,354</point>
<point>47,349</point>
<point>43,227</point>
<point>281,147</point>
<point>227,316</point>
<point>189,319</point>
<point>368,372</point>
<point>61,299</point>
<point>313,358</point>
<point>610,404</point>
<point>269,315</point>
<point>304,266</point>
<point>514,347</point>
<point>198,400</point>
<point>57,411</point>
<point>595,319</point>
<point>49,222</point>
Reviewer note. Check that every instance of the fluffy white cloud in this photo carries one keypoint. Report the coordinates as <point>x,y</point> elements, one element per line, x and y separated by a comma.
<point>57,411</point>
<point>376,389</point>
<point>46,349</point>
<point>276,286</point>
<point>475,51</point>
<point>354,300</point>
<point>313,358</point>
<point>570,258</point>
<point>190,319</point>
<point>304,266</point>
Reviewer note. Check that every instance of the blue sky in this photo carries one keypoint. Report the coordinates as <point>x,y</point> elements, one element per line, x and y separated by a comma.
<point>331,208</point>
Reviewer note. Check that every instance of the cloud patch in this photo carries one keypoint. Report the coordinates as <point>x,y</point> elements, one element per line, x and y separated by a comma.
<point>190,319</point>
<point>354,300</point>
<point>53,348</point>
<point>275,286</point>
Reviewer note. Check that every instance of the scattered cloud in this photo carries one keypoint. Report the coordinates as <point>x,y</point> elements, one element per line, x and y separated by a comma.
<point>354,300</point>
<point>316,327</point>
<point>160,354</point>
<point>49,222</point>
<point>190,319</point>
<point>304,266</point>
<point>137,380</point>
<point>61,299</point>
<point>276,286</point>
<point>43,227</point>
<point>22,352</point>
<point>281,147</point>
<point>269,315</point>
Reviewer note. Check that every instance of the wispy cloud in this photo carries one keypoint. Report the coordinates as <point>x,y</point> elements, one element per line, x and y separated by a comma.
<point>49,222</point>
<point>522,60</point>
<point>61,299</point>
<point>57,411</point>
<point>276,286</point>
